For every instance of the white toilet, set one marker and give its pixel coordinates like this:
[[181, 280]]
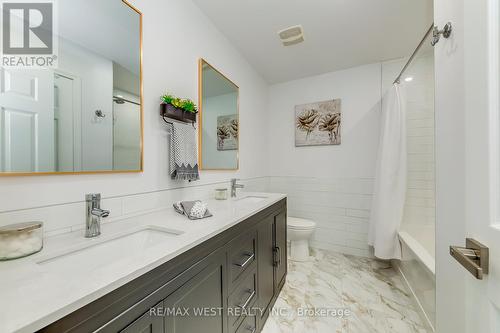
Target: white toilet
[[299, 232]]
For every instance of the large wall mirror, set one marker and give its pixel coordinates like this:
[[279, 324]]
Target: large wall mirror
[[219, 120], [83, 115]]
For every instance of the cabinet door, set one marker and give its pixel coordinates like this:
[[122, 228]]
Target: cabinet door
[[189, 308], [265, 263], [280, 250], [146, 324]]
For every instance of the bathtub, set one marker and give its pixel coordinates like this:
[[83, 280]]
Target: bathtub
[[418, 268]]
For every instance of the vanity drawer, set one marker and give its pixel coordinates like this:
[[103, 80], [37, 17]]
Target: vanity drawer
[[248, 325], [242, 252], [243, 298]]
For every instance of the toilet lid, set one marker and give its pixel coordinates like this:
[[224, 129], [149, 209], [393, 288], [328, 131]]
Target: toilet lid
[[298, 223]]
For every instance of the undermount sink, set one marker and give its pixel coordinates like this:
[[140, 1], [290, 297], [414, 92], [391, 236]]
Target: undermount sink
[[107, 252], [251, 199]]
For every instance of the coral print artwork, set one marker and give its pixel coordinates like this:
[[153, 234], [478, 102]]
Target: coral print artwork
[[227, 132], [318, 123]]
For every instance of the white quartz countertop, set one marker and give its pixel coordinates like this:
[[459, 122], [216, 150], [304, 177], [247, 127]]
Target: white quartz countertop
[[33, 295]]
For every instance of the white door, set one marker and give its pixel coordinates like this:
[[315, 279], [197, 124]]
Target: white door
[[468, 162], [26, 120]]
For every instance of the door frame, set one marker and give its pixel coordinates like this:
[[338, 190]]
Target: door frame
[[467, 161], [450, 166], [77, 117], [482, 219]]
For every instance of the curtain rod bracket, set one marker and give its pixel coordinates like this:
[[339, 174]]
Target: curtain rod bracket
[[436, 33]]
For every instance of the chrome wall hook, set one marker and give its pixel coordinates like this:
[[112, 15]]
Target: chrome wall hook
[[99, 114], [436, 33]]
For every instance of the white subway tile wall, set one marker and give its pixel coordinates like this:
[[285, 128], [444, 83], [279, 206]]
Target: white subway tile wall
[[420, 196], [340, 208], [70, 217]]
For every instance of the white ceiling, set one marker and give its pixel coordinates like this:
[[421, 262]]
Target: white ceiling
[[339, 34]]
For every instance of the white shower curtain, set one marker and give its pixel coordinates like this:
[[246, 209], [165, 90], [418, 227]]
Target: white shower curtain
[[390, 178]]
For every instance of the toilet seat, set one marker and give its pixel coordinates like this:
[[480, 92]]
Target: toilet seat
[[297, 223]]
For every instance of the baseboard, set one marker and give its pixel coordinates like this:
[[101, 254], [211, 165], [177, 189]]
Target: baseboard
[[341, 249]]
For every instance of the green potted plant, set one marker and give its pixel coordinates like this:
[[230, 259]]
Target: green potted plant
[[178, 108], [189, 106]]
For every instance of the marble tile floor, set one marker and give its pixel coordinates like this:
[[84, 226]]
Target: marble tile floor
[[371, 290]]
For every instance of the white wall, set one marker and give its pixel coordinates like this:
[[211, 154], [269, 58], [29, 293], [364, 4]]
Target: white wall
[[359, 89], [164, 69], [329, 184]]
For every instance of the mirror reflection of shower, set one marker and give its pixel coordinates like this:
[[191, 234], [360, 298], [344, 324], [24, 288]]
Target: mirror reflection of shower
[[126, 133], [67, 123], [61, 118], [118, 100]]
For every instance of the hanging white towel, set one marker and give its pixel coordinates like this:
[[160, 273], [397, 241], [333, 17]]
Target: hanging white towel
[[390, 178], [183, 153]]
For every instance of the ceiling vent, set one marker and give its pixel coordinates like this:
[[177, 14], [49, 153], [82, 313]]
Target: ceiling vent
[[291, 36]]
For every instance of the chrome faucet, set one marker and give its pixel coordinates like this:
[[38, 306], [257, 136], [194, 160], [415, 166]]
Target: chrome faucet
[[234, 186], [94, 215]]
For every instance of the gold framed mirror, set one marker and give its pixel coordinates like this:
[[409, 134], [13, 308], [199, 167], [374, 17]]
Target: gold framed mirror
[[83, 114], [218, 136]]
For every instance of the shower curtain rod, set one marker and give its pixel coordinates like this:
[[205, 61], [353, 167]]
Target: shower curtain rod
[[414, 54], [117, 98]]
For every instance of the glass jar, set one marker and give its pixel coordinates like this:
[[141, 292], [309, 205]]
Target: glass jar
[[221, 194], [20, 240]]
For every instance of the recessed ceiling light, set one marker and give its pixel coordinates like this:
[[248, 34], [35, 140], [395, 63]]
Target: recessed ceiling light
[[409, 79], [292, 35]]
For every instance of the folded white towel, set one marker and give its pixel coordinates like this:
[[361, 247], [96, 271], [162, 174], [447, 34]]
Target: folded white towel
[[194, 210]]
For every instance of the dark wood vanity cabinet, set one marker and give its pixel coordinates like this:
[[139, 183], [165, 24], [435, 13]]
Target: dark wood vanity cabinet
[[280, 249], [266, 262], [211, 288], [272, 261], [146, 324], [197, 305]]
